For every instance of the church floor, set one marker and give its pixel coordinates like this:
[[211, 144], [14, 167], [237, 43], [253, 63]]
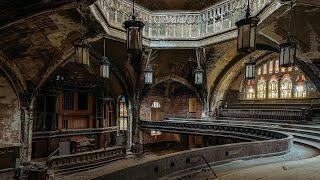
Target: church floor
[[293, 170], [298, 152], [277, 164]]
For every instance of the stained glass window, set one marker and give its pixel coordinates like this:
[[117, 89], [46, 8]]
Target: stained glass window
[[276, 66], [271, 67], [265, 68], [259, 71], [123, 114], [155, 104], [286, 86], [273, 87], [270, 84], [261, 88]]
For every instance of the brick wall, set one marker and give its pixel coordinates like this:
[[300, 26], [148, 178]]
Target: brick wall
[[170, 106], [10, 124], [147, 138]]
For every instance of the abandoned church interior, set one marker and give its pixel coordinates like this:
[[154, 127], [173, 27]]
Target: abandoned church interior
[[160, 89]]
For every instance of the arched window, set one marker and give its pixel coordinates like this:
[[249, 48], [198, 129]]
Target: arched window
[[286, 86], [301, 88], [261, 88], [259, 71], [155, 105], [155, 111], [123, 114], [251, 94], [276, 66], [271, 67], [273, 82], [273, 88], [265, 68]]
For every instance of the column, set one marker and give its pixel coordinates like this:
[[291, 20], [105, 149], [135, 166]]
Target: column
[[129, 123], [26, 135]]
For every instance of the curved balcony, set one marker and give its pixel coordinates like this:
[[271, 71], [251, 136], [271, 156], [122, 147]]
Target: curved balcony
[[270, 143], [174, 28], [250, 134]]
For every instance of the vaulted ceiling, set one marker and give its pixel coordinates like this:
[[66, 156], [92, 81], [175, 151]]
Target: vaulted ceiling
[[35, 35]]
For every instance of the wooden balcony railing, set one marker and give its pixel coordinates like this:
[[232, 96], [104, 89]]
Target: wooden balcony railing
[[87, 157], [278, 114], [250, 134]]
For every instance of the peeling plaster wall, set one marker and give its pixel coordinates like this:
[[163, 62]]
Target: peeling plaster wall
[[10, 124]]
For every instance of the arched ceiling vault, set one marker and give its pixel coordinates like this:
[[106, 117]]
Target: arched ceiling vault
[[172, 78], [39, 36]]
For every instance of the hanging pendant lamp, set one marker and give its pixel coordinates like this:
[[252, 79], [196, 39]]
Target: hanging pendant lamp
[[247, 28], [134, 33], [198, 73], [288, 48], [250, 69], [105, 63], [82, 46]]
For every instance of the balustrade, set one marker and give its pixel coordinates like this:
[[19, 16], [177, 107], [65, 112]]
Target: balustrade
[[180, 25]]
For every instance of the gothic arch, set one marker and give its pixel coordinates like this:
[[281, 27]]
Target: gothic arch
[[176, 79], [12, 72]]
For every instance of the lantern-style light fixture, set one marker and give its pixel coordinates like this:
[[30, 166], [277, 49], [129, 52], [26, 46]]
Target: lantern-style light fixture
[[148, 73], [250, 69], [287, 53], [198, 73], [82, 47], [198, 76], [288, 48], [134, 34], [247, 28], [105, 63], [148, 78]]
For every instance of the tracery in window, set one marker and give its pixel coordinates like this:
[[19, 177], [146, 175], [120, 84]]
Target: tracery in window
[[273, 87], [286, 87], [261, 88]]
